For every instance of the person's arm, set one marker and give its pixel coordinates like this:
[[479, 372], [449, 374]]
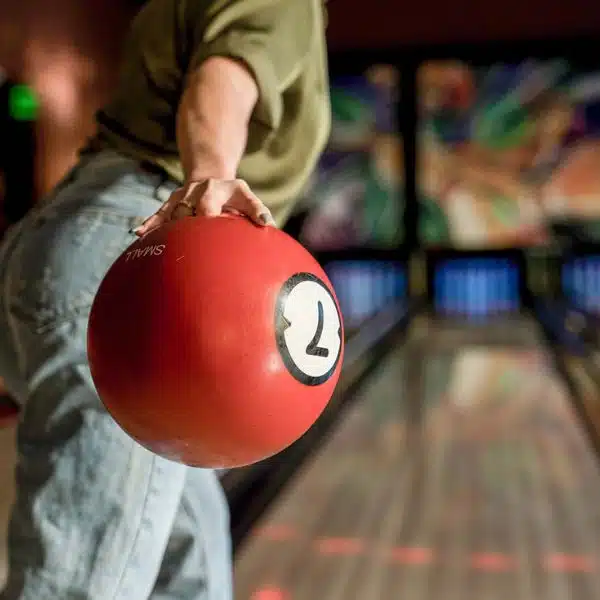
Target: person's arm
[[213, 117], [212, 131], [247, 53]]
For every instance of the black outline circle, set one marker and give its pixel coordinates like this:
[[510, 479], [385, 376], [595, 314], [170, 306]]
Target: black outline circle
[[281, 324]]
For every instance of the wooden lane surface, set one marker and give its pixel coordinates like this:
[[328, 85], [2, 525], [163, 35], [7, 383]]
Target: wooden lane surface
[[459, 475]]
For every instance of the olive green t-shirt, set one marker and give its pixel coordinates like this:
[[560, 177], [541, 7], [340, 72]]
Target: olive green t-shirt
[[282, 42]]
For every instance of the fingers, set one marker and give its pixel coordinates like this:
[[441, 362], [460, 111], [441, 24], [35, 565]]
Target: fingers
[[183, 208], [244, 201], [162, 215], [209, 198]]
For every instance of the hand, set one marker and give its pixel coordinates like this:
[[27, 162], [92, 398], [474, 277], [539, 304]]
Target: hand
[[210, 198]]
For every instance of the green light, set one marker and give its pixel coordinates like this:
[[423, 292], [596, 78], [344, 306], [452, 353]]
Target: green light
[[23, 103]]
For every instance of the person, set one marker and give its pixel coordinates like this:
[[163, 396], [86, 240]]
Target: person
[[222, 106]]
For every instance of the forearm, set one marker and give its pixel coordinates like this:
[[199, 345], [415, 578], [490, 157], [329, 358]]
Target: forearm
[[213, 117]]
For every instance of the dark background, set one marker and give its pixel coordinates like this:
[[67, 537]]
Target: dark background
[[383, 23], [68, 50]]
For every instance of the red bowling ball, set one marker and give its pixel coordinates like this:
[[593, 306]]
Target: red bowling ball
[[215, 342]]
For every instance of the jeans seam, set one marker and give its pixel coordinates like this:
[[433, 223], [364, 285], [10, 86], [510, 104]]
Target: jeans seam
[[132, 550], [10, 318]]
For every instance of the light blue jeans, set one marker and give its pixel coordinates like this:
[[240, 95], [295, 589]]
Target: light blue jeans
[[97, 516]]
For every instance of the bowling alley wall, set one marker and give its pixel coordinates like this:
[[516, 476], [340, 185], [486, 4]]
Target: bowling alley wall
[[460, 129], [465, 173], [66, 53]]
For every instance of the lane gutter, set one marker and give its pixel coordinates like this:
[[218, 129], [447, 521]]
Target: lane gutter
[[562, 369]]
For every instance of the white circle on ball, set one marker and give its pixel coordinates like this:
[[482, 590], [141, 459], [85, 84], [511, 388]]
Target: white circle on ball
[[310, 330]]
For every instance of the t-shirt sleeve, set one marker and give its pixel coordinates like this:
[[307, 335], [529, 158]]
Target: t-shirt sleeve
[[273, 38]]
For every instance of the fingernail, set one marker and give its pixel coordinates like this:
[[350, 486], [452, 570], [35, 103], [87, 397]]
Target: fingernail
[[266, 219], [137, 230]]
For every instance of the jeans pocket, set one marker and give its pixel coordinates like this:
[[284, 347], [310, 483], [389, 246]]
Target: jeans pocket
[[60, 261]]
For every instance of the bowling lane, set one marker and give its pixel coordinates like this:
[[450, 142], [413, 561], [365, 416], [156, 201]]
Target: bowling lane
[[461, 473], [584, 372]]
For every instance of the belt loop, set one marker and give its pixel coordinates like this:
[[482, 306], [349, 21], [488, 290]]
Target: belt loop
[[165, 186], [164, 189]]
